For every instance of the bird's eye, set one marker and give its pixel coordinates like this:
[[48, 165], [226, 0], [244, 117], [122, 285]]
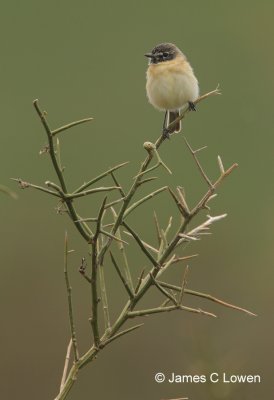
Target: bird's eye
[[165, 54]]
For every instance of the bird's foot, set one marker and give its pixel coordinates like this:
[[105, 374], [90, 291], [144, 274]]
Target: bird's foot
[[191, 106], [166, 133]]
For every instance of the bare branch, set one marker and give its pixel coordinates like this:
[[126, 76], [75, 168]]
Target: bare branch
[[141, 313], [124, 254], [181, 206], [222, 170], [65, 370], [112, 203], [25, 185], [143, 248], [117, 184], [152, 178], [141, 201], [91, 191], [163, 291], [148, 246], [104, 298], [113, 236], [101, 176], [133, 328], [68, 287], [68, 126], [206, 296], [140, 279], [183, 285], [193, 152], [158, 230], [201, 204], [128, 289]]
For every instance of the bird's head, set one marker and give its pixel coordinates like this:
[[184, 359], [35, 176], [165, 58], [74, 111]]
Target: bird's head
[[163, 52]]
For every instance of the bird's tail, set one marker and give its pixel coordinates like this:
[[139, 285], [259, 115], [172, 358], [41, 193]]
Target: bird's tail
[[172, 115]]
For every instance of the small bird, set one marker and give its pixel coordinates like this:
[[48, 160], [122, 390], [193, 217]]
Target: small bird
[[171, 83]]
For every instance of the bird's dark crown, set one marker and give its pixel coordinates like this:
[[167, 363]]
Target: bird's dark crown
[[163, 52]]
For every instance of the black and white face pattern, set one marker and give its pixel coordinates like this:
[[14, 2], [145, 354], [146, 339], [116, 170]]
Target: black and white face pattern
[[163, 52]]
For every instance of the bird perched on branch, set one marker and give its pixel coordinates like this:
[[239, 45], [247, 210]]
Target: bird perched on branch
[[171, 83]]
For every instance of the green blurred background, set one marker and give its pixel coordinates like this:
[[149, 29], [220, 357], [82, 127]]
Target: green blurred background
[[86, 59]]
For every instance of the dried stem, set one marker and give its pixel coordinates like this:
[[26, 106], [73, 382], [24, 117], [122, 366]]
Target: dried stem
[[141, 201], [128, 289], [141, 313], [68, 126], [163, 291], [141, 245], [182, 291], [194, 152], [59, 173], [70, 311], [206, 296], [101, 176], [124, 254], [94, 270], [65, 370], [104, 298], [112, 338]]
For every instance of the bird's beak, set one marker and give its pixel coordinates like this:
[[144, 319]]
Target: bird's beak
[[149, 55]]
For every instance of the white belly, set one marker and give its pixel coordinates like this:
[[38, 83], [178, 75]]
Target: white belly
[[171, 90]]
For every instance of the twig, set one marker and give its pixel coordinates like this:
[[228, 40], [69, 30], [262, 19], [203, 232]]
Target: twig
[[158, 230], [94, 269], [140, 279], [193, 152], [222, 170], [97, 178], [194, 233], [95, 219], [128, 289], [163, 291], [181, 295], [181, 194], [133, 328], [42, 115], [91, 191], [168, 226], [124, 254], [104, 298], [65, 370], [68, 126], [71, 319], [201, 204], [117, 184], [113, 236], [183, 209], [141, 245], [140, 313], [206, 296], [141, 201], [57, 188], [146, 180], [112, 203], [148, 246], [178, 259], [25, 185]]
